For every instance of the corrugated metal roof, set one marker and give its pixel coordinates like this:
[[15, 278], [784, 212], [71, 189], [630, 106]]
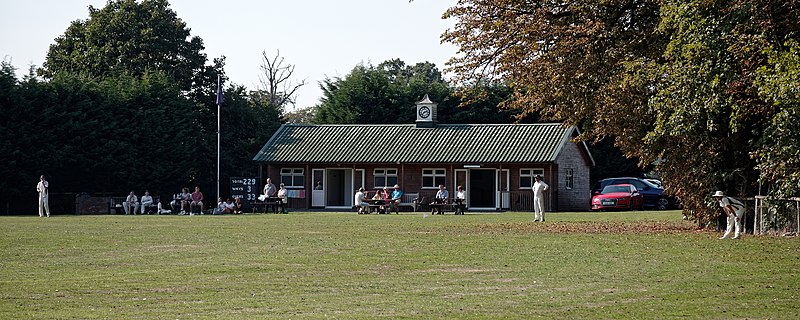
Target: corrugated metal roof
[[405, 143]]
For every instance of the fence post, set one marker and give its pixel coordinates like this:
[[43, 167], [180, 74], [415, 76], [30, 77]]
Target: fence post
[[757, 217]]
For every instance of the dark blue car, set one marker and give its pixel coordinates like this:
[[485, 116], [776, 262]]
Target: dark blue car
[[654, 197]]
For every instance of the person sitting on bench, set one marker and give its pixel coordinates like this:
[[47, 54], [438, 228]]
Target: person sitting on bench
[[395, 199], [360, 201], [461, 198], [131, 203], [439, 200], [147, 201], [197, 201]]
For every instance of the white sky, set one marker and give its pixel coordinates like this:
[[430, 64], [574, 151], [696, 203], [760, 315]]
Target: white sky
[[321, 37]]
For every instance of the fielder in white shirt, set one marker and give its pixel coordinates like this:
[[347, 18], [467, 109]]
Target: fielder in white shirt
[[43, 188], [539, 187], [734, 209]]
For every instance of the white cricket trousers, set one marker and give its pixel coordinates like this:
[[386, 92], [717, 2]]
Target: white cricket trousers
[[734, 221], [538, 208], [44, 204]]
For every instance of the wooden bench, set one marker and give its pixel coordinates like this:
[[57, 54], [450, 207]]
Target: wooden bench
[[450, 206], [409, 200], [115, 205], [263, 206]]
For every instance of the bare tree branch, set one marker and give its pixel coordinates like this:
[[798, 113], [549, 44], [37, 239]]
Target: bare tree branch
[[276, 81]]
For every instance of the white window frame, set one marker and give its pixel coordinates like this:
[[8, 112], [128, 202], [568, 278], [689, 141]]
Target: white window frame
[[434, 173], [529, 173], [292, 173], [569, 178], [385, 174]]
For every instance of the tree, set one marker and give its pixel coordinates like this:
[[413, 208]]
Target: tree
[[778, 154], [304, 115], [97, 136], [131, 37], [276, 80], [380, 94], [672, 82]]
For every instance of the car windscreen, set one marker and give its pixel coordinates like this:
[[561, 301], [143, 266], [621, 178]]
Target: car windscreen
[[615, 188]]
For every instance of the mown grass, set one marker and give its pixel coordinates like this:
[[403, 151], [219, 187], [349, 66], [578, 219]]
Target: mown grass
[[343, 265]]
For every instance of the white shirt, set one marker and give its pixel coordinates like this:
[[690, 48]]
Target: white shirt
[[359, 198], [442, 194], [41, 187], [460, 195], [539, 187], [131, 199], [147, 199], [737, 205]]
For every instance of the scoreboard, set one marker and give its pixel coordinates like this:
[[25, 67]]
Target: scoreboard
[[245, 188]]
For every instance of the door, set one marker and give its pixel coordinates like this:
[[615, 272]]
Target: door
[[505, 184], [318, 193], [483, 189], [338, 188]]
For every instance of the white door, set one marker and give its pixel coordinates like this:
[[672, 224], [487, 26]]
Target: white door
[[318, 193]]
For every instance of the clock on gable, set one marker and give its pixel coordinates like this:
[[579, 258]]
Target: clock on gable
[[426, 113]]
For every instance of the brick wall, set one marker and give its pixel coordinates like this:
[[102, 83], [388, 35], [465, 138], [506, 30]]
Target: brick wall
[[578, 198]]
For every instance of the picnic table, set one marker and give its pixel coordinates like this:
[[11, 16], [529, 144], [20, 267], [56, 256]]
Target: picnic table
[[269, 202], [441, 206], [378, 205]]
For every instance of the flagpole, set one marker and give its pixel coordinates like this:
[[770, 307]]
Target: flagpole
[[219, 116]]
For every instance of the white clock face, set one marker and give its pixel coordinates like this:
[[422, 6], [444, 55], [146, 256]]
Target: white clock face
[[424, 112]]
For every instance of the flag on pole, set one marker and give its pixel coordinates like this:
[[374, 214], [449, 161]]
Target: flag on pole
[[220, 97]]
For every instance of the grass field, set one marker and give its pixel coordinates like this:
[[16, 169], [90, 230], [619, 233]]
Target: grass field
[[343, 265]]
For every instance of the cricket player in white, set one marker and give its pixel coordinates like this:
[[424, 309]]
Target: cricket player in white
[[539, 187], [42, 188], [734, 209]]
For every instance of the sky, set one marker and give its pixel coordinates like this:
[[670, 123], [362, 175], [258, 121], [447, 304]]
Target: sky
[[321, 38]]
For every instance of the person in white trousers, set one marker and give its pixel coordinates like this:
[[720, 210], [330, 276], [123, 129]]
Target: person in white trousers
[[131, 203], [734, 209], [43, 188], [147, 201], [539, 187]]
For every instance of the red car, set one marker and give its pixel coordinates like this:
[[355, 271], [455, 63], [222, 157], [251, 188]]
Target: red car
[[618, 196]]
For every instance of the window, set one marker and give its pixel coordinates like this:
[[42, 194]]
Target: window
[[432, 178], [526, 177], [570, 180], [293, 177], [385, 177]]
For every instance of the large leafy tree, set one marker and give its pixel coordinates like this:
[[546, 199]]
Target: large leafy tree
[[672, 82], [778, 154], [136, 40], [130, 37]]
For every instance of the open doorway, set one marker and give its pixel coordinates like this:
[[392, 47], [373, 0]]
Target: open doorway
[[339, 188], [482, 189]]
